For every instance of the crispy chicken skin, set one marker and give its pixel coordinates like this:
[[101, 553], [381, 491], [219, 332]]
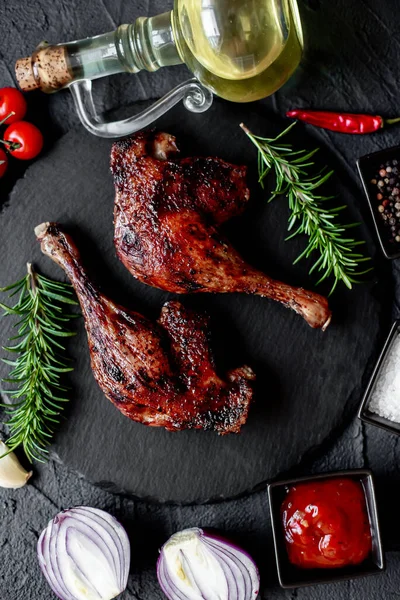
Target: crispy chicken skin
[[160, 374], [166, 217]]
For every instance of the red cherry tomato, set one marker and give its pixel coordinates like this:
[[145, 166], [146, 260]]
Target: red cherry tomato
[[3, 162], [26, 141], [12, 100]]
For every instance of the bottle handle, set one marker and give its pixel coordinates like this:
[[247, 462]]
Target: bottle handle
[[195, 96]]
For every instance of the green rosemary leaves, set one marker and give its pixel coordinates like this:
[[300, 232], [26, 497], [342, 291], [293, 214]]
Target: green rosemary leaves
[[309, 213], [38, 364]]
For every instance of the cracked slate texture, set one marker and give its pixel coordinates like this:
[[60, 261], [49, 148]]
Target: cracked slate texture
[[351, 63]]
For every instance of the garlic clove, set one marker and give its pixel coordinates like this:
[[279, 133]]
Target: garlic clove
[[12, 473]]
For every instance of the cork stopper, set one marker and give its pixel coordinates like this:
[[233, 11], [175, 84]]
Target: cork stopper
[[46, 69], [25, 75]]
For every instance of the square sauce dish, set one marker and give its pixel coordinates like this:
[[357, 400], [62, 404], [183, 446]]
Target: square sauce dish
[[349, 547]]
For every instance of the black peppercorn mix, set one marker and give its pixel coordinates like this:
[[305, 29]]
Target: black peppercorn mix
[[386, 187]]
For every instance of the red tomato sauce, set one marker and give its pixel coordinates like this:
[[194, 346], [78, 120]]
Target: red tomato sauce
[[326, 524]]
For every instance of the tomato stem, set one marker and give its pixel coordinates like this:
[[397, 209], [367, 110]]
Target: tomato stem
[[10, 145], [11, 114]]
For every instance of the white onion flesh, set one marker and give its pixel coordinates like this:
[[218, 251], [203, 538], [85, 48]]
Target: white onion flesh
[[195, 565], [84, 554]]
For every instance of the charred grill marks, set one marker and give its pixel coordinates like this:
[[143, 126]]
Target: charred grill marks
[[172, 208], [161, 374]]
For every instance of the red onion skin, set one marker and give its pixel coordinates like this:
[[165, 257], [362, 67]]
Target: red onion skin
[[54, 562], [211, 533], [162, 575], [226, 550], [43, 566]]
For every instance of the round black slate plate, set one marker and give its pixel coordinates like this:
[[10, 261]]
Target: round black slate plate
[[307, 380]]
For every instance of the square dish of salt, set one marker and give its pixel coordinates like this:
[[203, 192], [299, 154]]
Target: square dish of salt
[[381, 402]]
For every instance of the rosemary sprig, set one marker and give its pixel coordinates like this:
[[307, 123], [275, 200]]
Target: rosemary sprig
[[37, 368], [338, 256]]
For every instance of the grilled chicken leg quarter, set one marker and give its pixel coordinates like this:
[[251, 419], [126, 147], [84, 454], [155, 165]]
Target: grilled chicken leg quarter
[[166, 217], [160, 374]]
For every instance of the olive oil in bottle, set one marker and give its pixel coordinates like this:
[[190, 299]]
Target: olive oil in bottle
[[243, 50]]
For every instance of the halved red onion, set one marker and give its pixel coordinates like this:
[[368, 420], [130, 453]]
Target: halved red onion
[[84, 554], [196, 565]]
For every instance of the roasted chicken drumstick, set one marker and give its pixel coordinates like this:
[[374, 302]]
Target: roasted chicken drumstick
[[166, 217], [160, 374]]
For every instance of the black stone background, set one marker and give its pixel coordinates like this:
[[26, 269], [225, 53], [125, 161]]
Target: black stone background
[[351, 62]]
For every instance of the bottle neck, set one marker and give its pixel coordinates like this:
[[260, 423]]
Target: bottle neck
[[146, 44]]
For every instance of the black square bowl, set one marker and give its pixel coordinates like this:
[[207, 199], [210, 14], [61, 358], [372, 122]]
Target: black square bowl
[[364, 413], [291, 576], [367, 166]]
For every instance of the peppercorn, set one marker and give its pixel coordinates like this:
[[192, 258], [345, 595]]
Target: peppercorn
[[386, 185]]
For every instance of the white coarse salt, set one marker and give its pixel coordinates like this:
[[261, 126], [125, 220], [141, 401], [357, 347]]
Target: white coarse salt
[[385, 399]]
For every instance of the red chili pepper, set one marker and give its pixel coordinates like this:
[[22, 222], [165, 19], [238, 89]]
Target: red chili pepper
[[342, 122]]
